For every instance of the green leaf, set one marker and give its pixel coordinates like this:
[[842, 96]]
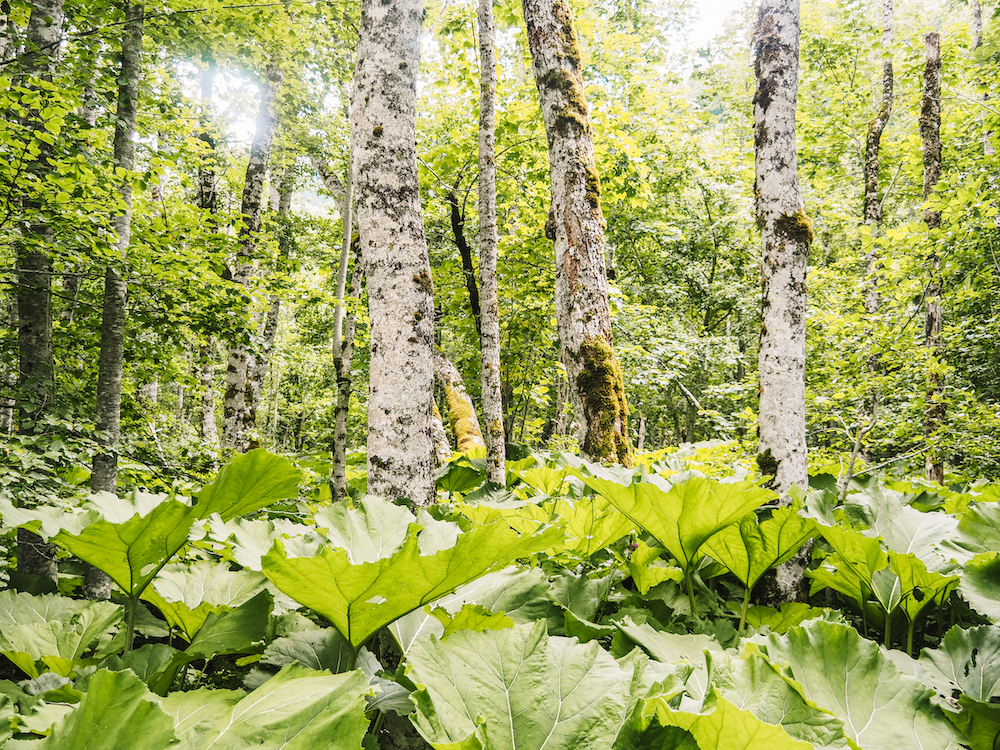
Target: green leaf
[[297, 709], [980, 585], [980, 527], [153, 663], [249, 482], [524, 688], [116, 713], [359, 599], [970, 659], [51, 628], [187, 593], [233, 632], [748, 549], [849, 676], [782, 620], [684, 518], [673, 648], [316, 649], [472, 617], [648, 570], [979, 722]]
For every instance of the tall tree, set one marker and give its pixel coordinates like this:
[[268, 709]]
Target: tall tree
[[104, 477], [785, 237], [930, 131], [36, 67], [234, 409], [489, 320], [872, 200], [394, 251], [576, 226]]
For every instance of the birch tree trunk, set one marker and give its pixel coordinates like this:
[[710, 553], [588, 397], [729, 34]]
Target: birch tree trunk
[[34, 276], [234, 407], [7, 47], [785, 237], [489, 333], [268, 330], [104, 475], [576, 225], [930, 130], [442, 448], [873, 203], [394, 251], [343, 322], [8, 385]]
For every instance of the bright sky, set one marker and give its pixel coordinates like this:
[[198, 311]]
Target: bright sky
[[712, 15]]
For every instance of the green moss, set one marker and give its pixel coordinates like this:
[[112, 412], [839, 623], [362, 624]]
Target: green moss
[[593, 182], [767, 464], [567, 34], [467, 434], [796, 227], [599, 384], [573, 116]]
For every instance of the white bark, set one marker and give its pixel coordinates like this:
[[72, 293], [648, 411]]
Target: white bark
[[234, 408], [576, 226], [394, 251], [489, 335], [785, 237]]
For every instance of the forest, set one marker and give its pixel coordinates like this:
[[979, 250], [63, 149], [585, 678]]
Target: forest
[[499, 375]]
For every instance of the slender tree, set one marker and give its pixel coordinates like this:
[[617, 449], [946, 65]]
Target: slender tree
[[394, 251], [785, 237], [234, 409], [930, 130], [489, 322], [576, 226], [36, 65], [461, 411], [104, 477]]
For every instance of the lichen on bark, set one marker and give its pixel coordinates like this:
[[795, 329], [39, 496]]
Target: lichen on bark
[[796, 226]]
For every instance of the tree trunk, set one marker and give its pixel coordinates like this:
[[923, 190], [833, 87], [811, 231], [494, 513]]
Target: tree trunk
[[442, 448], [104, 476], [269, 325], [930, 130], [465, 252], [873, 204], [489, 330], [461, 411], [785, 237], [394, 251], [577, 227], [206, 376], [8, 386], [640, 442], [234, 409], [34, 277], [7, 47]]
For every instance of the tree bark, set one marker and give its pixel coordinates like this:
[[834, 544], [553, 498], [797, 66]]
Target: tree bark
[[394, 251], [442, 448], [34, 277], [872, 201], [930, 130], [206, 377], [489, 321], [576, 225], [8, 385], [234, 409], [7, 46], [268, 330], [104, 476], [785, 237], [465, 252]]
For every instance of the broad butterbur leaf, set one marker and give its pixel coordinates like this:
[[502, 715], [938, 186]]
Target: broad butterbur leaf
[[980, 585], [970, 659], [518, 688], [359, 599], [849, 676], [297, 709], [117, 713]]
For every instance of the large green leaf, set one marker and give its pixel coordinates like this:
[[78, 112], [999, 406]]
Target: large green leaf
[[849, 676], [116, 713], [51, 628], [187, 593], [980, 585], [979, 722], [297, 709], [980, 527], [249, 482], [748, 549], [683, 518], [359, 599], [970, 659], [235, 631], [518, 688]]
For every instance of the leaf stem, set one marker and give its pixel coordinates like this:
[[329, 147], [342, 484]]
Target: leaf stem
[[690, 590], [130, 607], [909, 637], [743, 612]]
